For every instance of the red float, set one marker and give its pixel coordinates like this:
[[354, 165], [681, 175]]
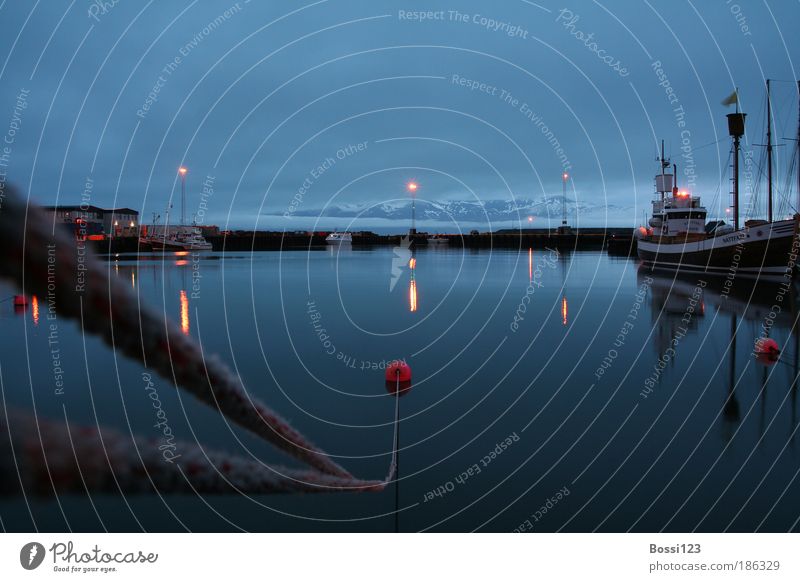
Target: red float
[[398, 378], [398, 370], [20, 300], [767, 350]]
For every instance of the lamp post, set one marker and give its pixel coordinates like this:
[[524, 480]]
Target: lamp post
[[412, 188], [183, 171], [564, 178]]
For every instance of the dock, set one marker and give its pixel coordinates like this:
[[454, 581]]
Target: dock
[[615, 240]]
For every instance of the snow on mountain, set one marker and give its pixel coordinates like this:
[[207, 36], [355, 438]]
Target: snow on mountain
[[470, 211]]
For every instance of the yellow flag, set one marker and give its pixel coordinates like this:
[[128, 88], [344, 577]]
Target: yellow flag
[[731, 99]]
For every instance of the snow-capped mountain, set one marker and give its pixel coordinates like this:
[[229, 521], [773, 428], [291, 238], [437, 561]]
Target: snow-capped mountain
[[471, 211]]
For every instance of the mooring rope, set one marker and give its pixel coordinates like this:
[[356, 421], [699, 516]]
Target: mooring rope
[[47, 457], [54, 265]]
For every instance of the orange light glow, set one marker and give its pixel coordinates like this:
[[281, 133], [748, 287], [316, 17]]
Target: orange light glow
[[181, 253], [35, 309], [530, 264], [412, 263], [412, 186], [412, 296], [181, 263], [683, 193], [184, 313], [564, 310], [182, 171]]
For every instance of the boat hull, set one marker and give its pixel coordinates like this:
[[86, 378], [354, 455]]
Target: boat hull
[[766, 251], [160, 245]]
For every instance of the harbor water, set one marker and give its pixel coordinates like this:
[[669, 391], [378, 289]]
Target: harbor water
[[552, 391]]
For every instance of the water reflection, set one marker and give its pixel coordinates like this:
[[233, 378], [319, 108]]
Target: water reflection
[[412, 285], [35, 309], [730, 320], [564, 304], [530, 265], [184, 312]]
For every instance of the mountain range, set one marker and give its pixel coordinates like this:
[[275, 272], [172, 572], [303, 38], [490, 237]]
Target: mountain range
[[471, 211]]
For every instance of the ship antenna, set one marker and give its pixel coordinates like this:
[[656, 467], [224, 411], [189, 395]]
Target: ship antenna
[[674, 179]]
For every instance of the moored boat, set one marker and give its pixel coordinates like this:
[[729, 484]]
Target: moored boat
[[338, 238], [678, 237], [181, 240]]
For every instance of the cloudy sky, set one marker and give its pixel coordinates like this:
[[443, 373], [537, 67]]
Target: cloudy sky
[[289, 110]]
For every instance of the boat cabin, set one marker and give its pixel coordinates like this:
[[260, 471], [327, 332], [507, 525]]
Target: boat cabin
[[676, 212]]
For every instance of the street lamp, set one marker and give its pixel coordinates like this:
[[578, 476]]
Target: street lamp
[[183, 171], [412, 187], [564, 179]]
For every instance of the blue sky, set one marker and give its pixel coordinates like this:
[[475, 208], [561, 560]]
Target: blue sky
[[339, 103]]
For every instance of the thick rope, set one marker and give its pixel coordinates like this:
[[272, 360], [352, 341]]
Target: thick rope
[[44, 457], [38, 261]]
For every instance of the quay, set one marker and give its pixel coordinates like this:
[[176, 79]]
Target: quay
[[615, 240]]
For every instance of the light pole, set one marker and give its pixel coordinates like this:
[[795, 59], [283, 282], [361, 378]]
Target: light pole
[[564, 178], [183, 171], [412, 188]]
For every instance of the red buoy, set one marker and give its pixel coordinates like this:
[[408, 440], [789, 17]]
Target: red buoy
[[398, 378], [398, 370], [767, 350], [20, 300]]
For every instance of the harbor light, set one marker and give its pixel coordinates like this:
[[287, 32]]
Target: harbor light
[[412, 187], [183, 170]]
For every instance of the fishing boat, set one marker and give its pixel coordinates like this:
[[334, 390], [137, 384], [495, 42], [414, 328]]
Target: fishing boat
[[174, 238], [184, 239], [678, 237], [438, 239], [338, 238]]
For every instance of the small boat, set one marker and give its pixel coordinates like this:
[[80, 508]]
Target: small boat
[[338, 238], [438, 239]]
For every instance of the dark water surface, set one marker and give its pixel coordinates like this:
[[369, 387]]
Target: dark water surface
[[619, 399]]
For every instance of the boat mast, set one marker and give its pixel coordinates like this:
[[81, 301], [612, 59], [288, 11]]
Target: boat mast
[[769, 155], [663, 167], [798, 148], [736, 131]]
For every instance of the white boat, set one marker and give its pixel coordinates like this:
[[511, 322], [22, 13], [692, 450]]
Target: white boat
[[338, 238], [438, 240]]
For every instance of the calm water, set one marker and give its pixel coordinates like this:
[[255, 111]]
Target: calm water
[[619, 388]]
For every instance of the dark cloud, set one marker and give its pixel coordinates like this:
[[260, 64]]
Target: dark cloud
[[260, 104]]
